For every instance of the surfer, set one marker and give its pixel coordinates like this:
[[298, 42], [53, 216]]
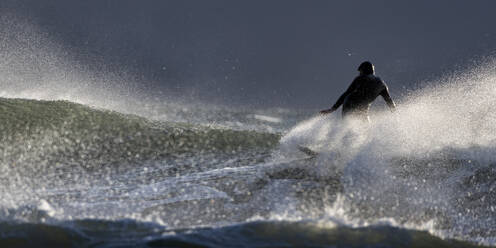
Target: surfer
[[364, 89]]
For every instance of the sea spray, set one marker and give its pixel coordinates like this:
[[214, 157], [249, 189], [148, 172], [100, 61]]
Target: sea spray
[[427, 166]]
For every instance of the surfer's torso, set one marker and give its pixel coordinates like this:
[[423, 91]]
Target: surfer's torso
[[362, 92]]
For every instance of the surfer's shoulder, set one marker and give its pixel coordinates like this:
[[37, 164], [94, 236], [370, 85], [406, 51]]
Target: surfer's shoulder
[[379, 80], [358, 78], [374, 77]]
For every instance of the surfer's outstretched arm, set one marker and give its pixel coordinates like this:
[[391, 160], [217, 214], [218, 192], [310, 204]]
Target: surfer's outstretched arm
[[340, 100], [387, 98]]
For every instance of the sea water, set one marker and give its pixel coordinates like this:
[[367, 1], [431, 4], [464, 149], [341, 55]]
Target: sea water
[[88, 162]]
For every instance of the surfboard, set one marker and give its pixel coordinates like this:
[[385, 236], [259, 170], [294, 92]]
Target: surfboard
[[308, 151]]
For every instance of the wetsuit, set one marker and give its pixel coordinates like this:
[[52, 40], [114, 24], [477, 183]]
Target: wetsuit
[[359, 96]]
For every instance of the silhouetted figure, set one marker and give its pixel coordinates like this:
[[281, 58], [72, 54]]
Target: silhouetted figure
[[362, 92]]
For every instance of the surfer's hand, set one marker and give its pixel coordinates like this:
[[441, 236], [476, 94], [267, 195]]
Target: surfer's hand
[[326, 111], [393, 109]]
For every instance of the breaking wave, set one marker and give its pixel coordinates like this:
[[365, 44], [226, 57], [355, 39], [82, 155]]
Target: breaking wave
[[429, 166]]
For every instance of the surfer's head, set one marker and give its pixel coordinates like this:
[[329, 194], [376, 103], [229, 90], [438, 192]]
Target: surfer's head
[[366, 68]]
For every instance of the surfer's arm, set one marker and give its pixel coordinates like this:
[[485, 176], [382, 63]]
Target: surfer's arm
[[336, 105], [340, 100], [387, 98]]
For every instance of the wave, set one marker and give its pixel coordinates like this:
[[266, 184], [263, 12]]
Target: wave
[[50, 132], [127, 233]]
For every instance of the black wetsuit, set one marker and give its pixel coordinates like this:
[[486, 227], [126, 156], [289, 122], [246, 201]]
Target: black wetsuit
[[359, 96]]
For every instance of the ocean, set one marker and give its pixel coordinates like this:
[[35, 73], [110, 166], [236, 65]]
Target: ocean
[[200, 175]]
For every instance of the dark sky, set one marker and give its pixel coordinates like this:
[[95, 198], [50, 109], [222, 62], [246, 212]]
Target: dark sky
[[267, 53]]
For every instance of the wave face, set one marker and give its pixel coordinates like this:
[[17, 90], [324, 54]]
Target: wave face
[[60, 131]]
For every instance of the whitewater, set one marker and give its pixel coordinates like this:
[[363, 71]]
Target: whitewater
[[90, 161]]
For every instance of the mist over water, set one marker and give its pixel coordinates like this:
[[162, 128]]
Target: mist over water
[[178, 171]]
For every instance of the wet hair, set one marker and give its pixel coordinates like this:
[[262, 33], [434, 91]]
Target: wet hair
[[366, 68]]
